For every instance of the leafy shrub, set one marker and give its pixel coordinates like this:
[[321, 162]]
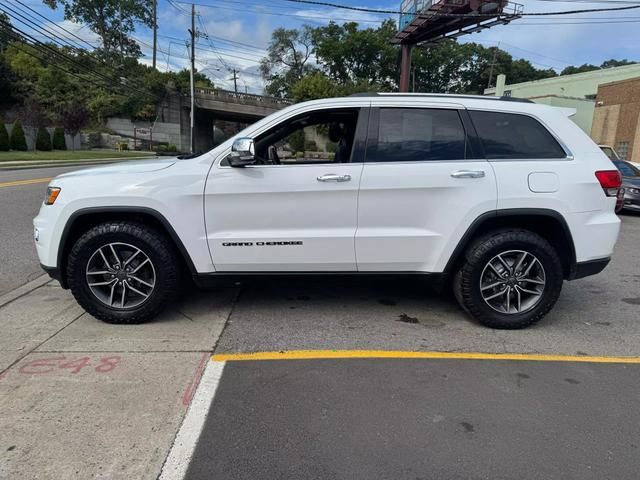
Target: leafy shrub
[[43, 140], [58, 139], [331, 147], [4, 137], [299, 154], [296, 141], [172, 148], [18, 140]]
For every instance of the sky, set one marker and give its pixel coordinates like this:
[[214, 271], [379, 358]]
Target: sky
[[235, 33]]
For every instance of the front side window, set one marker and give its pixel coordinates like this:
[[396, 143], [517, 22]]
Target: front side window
[[323, 136], [514, 136], [418, 134]]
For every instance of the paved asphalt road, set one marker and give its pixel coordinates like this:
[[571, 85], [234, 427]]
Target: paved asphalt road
[[400, 419], [20, 203]]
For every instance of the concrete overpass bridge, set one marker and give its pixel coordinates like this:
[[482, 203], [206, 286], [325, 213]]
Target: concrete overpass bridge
[[215, 104], [173, 123]]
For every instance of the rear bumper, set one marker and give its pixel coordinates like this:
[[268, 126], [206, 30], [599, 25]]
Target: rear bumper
[[586, 269]]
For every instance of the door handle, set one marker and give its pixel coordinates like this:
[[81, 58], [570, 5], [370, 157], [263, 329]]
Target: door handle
[[468, 174], [333, 177]]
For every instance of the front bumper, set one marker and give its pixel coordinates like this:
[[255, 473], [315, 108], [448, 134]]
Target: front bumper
[[631, 198], [56, 274]]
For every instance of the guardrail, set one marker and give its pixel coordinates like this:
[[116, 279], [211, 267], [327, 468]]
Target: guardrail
[[243, 98]]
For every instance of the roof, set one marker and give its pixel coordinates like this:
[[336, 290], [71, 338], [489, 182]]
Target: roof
[[441, 95]]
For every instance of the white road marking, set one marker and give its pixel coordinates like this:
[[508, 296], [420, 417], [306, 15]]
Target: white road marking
[[177, 462]]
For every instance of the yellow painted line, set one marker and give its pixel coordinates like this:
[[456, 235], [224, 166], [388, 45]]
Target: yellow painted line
[[30, 181], [333, 354]]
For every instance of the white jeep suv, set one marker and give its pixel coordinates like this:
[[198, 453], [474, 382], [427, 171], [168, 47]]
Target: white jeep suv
[[505, 198]]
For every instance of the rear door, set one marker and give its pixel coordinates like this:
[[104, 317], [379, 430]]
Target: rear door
[[423, 184]]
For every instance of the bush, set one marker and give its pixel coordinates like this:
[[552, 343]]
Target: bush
[[4, 137], [172, 148], [43, 140], [58, 139], [299, 154], [331, 147], [18, 140], [310, 146]]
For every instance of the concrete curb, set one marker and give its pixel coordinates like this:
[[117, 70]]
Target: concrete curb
[[24, 289]]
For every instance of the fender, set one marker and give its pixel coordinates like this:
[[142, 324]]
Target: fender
[[128, 210], [496, 215]]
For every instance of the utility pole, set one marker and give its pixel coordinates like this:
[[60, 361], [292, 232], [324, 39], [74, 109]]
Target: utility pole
[[493, 64], [235, 80], [155, 31], [193, 69]]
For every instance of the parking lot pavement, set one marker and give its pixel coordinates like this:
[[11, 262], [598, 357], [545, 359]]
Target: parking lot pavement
[[421, 419], [84, 399]]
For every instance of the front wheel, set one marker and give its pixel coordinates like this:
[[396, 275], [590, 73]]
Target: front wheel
[[123, 272], [510, 279]]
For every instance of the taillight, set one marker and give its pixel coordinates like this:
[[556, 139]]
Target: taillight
[[610, 181]]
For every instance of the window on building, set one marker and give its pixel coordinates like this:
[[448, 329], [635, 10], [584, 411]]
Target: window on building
[[418, 134], [622, 149], [514, 136]]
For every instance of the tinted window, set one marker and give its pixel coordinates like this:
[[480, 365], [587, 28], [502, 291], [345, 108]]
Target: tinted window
[[626, 169], [508, 135], [412, 134]]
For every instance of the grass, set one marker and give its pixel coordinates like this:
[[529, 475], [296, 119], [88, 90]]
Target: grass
[[66, 155]]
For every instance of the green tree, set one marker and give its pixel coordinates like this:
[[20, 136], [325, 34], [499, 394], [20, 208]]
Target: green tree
[[586, 67], [616, 63], [350, 54], [4, 137], [315, 85], [18, 140], [287, 60], [5, 31], [59, 142], [74, 117], [114, 21], [43, 140]]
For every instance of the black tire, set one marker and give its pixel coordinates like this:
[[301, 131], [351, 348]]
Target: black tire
[[466, 283], [154, 245]]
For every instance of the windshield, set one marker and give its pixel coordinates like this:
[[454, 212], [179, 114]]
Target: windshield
[[626, 169], [610, 152]]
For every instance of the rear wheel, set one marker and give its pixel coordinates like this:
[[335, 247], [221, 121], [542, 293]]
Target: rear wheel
[[123, 272], [510, 279]]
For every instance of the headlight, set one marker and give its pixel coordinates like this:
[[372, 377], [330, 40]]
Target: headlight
[[635, 191], [52, 194]]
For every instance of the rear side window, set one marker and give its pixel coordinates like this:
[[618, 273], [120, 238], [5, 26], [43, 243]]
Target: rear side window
[[418, 134], [509, 135]]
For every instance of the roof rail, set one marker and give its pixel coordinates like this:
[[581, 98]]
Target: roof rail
[[441, 95]]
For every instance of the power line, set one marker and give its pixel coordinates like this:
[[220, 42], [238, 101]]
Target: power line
[[56, 25], [50, 50]]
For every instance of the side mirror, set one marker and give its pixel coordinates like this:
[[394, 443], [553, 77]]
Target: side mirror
[[242, 153]]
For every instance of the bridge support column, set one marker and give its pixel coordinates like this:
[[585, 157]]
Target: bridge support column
[[405, 67], [203, 131]]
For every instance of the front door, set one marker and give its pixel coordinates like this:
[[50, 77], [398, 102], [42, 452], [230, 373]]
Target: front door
[[422, 186], [296, 209]]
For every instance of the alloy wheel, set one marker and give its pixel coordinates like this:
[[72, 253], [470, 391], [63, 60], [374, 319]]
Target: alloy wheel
[[513, 282], [120, 275]]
